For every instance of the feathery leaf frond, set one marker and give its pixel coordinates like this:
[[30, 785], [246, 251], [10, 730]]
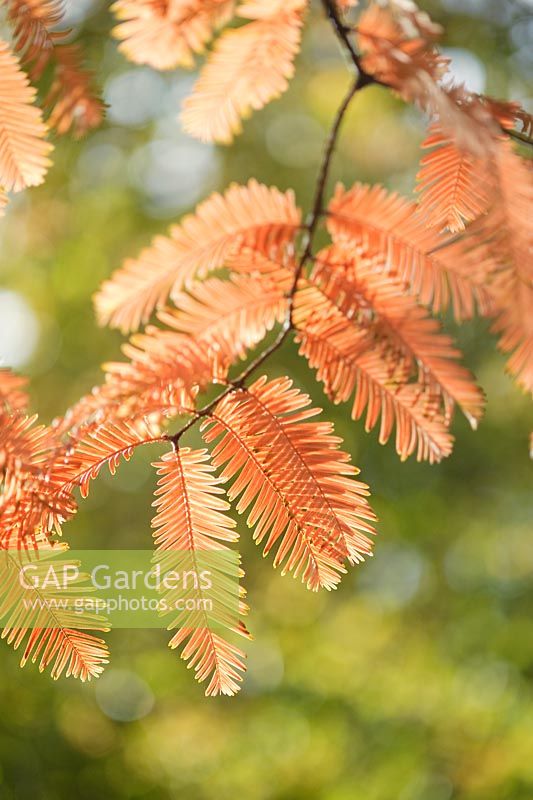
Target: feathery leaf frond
[[231, 316], [168, 33], [13, 396], [22, 441], [73, 103], [33, 26], [397, 42], [436, 268], [166, 368], [348, 363], [24, 151], [249, 67], [398, 48], [107, 444], [164, 373], [453, 183], [191, 521], [245, 216], [71, 100], [27, 502], [35, 618], [378, 303], [513, 288], [267, 262], [298, 483], [515, 326]]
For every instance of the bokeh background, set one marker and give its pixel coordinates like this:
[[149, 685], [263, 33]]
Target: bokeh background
[[413, 681]]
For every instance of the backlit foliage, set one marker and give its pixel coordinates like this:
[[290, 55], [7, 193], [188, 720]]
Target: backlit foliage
[[190, 519], [250, 66], [168, 33], [70, 102], [24, 151], [243, 267], [46, 634]]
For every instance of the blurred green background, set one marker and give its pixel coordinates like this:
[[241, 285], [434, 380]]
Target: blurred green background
[[413, 681]]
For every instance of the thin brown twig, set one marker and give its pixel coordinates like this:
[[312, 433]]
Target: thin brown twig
[[519, 136], [361, 80], [343, 33]]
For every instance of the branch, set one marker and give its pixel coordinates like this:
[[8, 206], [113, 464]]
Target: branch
[[521, 137], [342, 32], [362, 79]]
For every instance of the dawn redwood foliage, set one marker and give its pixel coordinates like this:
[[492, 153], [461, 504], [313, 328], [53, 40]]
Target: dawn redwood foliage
[[359, 309]]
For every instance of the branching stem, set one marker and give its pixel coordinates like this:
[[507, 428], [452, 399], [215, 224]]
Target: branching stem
[[361, 79]]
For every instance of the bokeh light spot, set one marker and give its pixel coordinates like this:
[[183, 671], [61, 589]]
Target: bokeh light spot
[[135, 97], [19, 330], [123, 696]]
